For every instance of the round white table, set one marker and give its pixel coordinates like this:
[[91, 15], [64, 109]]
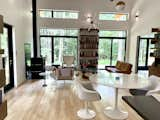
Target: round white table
[[118, 81]]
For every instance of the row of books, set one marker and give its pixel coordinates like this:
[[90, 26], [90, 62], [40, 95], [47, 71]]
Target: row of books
[[89, 62], [89, 54], [89, 46], [85, 40]]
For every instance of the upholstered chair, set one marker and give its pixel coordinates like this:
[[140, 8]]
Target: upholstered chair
[[68, 61], [64, 73]]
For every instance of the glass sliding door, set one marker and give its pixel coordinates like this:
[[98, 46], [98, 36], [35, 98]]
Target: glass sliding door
[[142, 53], [54, 48], [104, 53], [64, 46], [118, 51], [46, 49], [144, 50], [7, 57], [110, 50]]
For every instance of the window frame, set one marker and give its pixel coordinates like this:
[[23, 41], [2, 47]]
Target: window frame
[[53, 17], [58, 36], [139, 39], [45, 10], [116, 13], [112, 39]]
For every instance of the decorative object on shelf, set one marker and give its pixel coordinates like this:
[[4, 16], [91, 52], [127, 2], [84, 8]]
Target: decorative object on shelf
[[88, 48], [1, 24], [120, 6], [92, 22]]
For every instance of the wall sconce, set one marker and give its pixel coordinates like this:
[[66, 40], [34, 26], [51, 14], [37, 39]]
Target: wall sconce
[[137, 16], [1, 24]]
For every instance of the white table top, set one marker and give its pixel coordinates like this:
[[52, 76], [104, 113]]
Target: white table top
[[132, 81], [45, 73]]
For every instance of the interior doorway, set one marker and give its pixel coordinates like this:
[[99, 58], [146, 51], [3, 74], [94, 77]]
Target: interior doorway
[[6, 43]]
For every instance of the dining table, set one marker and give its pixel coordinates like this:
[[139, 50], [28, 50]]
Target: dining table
[[118, 81]]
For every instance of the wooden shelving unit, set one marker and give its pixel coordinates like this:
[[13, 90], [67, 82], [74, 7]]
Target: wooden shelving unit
[[3, 102], [88, 47], [155, 68]]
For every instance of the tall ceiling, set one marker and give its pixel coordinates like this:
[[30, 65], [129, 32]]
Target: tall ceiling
[[84, 5]]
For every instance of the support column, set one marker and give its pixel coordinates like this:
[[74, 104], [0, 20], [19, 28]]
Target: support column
[[34, 17]]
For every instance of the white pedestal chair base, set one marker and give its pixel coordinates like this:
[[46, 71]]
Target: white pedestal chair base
[[86, 114], [115, 114]]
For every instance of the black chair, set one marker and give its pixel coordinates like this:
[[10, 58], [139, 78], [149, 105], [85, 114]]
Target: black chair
[[37, 66]]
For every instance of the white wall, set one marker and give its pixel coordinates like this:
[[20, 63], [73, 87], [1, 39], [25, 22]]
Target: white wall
[[85, 7], [149, 17], [17, 13]]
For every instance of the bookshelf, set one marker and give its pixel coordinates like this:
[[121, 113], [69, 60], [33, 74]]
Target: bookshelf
[[154, 69], [88, 48], [3, 101], [156, 48]]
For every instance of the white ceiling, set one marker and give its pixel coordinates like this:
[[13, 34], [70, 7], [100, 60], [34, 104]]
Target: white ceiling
[[91, 6]]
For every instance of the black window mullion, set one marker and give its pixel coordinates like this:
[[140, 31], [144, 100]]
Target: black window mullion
[[147, 52], [111, 52], [125, 49], [52, 44], [52, 14]]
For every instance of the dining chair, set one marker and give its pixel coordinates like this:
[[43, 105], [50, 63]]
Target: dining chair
[[152, 88], [87, 93]]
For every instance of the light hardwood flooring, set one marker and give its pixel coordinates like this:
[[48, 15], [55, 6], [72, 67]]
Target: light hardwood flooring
[[31, 101]]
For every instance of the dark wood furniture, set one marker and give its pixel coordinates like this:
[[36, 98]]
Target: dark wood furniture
[[146, 106], [3, 102], [88, 47], [37, 66], [154, 69], [121, 67]]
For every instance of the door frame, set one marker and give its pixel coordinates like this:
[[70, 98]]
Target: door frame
[[139, 38], [10, 50]]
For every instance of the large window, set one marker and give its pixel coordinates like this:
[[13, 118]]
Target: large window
[[45, 13], [65, 14], [58, 42], [46, 49], [60, 14], [144, 50], [58, 32], [111, 47], [64, 46], [113, 16]]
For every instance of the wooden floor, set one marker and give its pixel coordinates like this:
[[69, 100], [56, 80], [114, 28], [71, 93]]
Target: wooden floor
[[33, 102]]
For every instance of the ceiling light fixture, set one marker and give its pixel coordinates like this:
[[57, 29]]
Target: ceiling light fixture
[[120, 6]]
